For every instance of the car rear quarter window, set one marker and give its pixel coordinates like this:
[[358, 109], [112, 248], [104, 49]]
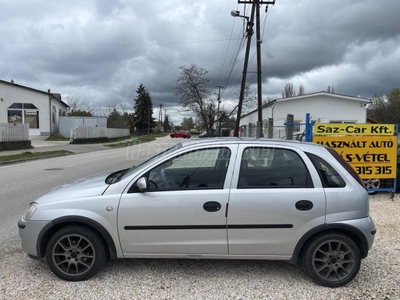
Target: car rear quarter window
[[346, 166], [267, 167], [328, 175]]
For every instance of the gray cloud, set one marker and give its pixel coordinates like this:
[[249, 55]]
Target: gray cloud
[[102, 50]]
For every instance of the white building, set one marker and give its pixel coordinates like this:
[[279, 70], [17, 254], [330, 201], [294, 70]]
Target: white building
[[323, 107], [39, 109]]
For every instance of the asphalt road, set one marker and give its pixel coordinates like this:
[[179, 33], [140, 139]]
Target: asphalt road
[[24, 182]]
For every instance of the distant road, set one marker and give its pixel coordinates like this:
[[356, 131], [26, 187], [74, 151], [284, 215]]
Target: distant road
[[24, 182]]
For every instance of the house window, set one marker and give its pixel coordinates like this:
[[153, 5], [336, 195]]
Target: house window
[[23, 113], [31, 117], [14, 116]]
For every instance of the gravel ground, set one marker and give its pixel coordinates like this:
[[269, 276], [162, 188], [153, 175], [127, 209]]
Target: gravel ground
[[379, 276]]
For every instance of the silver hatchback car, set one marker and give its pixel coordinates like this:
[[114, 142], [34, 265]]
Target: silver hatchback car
[[213, 199]]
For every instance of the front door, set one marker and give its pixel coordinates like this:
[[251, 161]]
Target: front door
[[184, 211]]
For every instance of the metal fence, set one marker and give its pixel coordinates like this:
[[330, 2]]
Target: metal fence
[[67, 122], [14, 132], [83, 133], [250, 130]]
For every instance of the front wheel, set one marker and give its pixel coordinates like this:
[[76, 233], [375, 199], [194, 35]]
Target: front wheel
[[75, 253], [332, 260]]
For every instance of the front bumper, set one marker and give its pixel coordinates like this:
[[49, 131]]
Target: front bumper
[[29, 232]]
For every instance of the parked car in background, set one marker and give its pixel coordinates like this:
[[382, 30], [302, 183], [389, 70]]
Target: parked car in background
[[205, 134], [180, 134], [225, 198], [297, 136]]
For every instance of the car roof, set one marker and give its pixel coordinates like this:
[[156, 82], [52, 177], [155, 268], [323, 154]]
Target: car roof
[[238, 140]]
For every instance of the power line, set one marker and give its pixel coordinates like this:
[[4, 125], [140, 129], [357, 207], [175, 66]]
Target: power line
[[227, 48], [115, 44]]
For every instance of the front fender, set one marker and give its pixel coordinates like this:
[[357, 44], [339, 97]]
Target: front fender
[[53, 226]]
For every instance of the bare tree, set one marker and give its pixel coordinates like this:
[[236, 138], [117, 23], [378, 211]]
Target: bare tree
[[78, 106], [288, 90], [301, 90], [330, 89], [191, 86]]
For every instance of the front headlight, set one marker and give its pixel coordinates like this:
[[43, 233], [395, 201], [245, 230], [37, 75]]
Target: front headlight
[[30, 211]]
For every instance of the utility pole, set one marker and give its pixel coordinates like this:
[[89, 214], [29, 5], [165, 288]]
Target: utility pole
[[218, 118], [259, 132], [254, 10], [246, 63], [148, 120], [160, 116]]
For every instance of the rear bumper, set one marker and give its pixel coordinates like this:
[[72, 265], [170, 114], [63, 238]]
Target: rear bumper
[[366, 226]]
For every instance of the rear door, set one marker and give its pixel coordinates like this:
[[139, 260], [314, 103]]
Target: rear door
[[273, 201]]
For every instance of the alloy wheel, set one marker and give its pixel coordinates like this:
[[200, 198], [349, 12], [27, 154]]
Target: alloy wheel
[[73, 254]]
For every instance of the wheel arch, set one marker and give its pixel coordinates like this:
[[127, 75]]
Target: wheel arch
[[355, 234], [55, 225]]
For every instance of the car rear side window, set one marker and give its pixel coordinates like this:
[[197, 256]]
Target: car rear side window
[[266, 167], [328, 175]]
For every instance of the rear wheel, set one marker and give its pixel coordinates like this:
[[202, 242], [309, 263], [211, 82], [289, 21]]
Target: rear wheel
[[75, 253], [331, 260]]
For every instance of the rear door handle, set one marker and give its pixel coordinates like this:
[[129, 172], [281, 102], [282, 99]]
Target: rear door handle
[[212, 206], [304, 205]]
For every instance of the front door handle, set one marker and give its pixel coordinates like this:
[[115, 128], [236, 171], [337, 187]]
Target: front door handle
[[304, 205], [212, 206]]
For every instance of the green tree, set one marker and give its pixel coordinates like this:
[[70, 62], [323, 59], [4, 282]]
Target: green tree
[[119, 120], [386, 109], [378, 109], [166, 124], [80, 113], [143, 110], [187, 123], [394, 106]]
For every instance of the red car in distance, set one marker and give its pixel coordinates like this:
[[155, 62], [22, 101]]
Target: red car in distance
[[181, 133]]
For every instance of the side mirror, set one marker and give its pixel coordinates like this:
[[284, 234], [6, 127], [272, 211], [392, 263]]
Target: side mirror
[[142, 184]]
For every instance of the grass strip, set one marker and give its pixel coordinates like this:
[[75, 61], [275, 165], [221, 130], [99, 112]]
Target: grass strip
[[57, 138], [30, 155], [139, 140]]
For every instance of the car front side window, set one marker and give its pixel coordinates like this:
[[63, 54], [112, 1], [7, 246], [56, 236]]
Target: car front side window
[[198, 169]]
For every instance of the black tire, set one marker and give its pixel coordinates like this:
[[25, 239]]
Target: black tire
[[331, 260], [75, 253]]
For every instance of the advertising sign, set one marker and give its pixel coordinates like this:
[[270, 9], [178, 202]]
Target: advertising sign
[[354, 129], [370, 156]]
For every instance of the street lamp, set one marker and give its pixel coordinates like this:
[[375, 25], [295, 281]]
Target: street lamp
[[236, 14]]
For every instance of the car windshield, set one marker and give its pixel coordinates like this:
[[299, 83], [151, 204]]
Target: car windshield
[[150, 161]]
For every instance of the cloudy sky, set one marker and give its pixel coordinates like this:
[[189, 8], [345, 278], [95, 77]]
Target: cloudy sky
[[102, 50]]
